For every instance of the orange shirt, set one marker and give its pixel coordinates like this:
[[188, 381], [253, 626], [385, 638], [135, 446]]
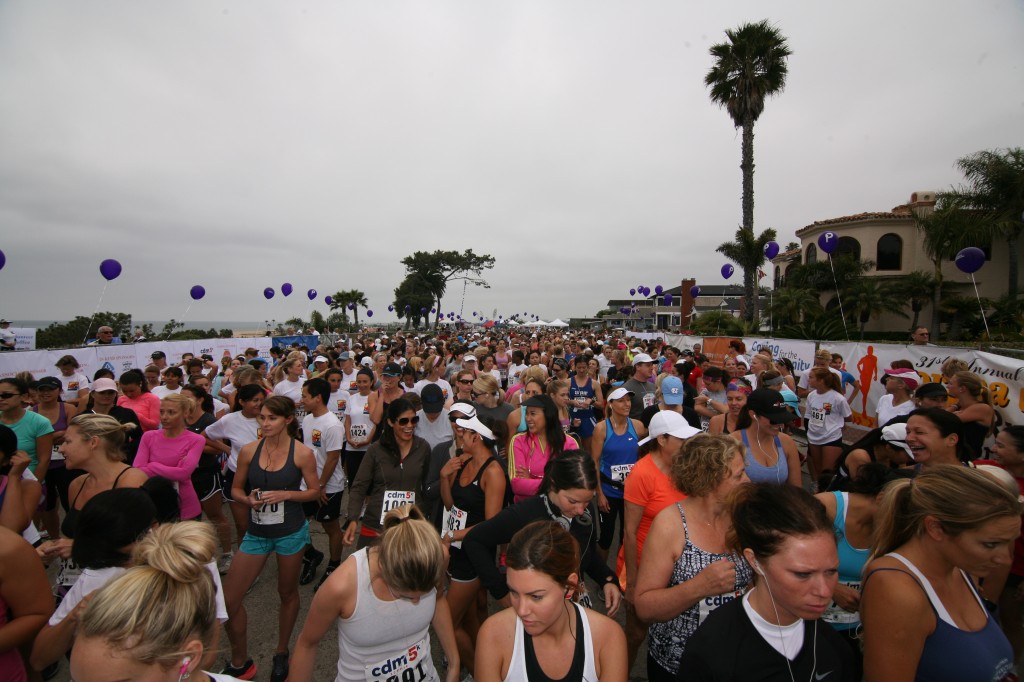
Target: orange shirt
[[650, 488]]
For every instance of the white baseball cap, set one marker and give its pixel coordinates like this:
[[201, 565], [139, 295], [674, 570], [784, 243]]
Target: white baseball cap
[[671, 423]]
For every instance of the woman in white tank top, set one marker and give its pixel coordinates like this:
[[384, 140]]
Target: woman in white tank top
[[544, 635], [384, 599]]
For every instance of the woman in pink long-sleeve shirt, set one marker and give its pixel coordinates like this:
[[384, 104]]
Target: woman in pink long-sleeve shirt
[[173, 452], [135, 396], [529, 452]]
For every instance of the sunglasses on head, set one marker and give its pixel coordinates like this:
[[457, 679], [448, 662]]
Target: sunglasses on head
[[402, 421]]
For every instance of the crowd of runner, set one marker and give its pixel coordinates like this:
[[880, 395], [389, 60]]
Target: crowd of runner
[[538, 504]]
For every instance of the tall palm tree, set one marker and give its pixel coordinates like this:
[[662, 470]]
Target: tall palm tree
[[749, 68], [790, 305], [943, 233], [343, 299], [995, 188], [747, 251]]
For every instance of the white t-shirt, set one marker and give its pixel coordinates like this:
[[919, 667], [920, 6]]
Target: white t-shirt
[[8, 338], [348, 382], [513, 373], [803, 377], [91, 580], [73, 384], [337, 403], [325, 434], [360, 424], [886, 410], [290, 389], [445, 387], [237, 429], [434, 432], [826, 414], [220, 408], [162, 391]]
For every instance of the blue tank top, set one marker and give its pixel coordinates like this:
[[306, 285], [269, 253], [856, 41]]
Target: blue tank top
[[759, 473], [577, 392], [619, 451], [954, 655], [851, 566]]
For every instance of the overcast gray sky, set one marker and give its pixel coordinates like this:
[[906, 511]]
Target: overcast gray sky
[[243, 144]]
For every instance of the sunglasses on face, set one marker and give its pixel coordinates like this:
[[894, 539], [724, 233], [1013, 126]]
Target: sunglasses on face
[[8, 396], [403, 421], [465, 381]]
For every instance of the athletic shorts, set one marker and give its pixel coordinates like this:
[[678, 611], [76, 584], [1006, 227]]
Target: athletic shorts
[[227, 480], [284, 546], [324, 512], [586, 425], [207, 483], [837, 443], [460, 568]]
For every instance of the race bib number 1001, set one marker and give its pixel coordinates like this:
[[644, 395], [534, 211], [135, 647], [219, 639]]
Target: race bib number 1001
[[413, 665]]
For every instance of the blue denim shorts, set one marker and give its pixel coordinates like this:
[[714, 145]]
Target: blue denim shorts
[[284, 546]]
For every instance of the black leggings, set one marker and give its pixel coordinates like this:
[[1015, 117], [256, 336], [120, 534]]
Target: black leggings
[[616, 510]]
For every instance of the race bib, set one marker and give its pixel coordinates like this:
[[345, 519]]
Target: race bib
[[358, 432], [620, 471], [412, 665], [648, 400], [708, 604], [393, 499], [836, 614], [818, 417], [454, 520], [268, 514], [69, 573], [503, 373], [55, 454]]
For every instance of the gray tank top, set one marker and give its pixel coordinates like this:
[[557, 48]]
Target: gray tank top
[[283, 518]]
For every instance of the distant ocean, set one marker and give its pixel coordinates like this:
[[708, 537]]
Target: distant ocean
[[244, 325]]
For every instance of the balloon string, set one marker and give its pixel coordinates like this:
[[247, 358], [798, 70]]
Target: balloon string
[[838, 296], [95, 310], [981, 308], [182, 320]]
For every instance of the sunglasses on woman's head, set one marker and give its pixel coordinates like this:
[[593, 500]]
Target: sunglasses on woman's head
[[402, 421]]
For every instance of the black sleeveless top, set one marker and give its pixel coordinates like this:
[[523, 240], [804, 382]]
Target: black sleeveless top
[[536, 674], [288, 477], [67, 526]]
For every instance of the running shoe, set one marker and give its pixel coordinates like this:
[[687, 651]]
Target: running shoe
[[279, 671], [309, 566], [246, 671], [327, 571]]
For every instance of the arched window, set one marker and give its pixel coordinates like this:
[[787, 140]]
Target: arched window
[[890, 252], [812, 254], [848, 246]]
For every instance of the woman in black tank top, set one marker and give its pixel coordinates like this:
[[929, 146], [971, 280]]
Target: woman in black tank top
[[268, 480], [474, 487]]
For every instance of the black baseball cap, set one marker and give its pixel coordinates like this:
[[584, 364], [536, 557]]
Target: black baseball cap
[[764, 402], [432, 398], [392, 369]]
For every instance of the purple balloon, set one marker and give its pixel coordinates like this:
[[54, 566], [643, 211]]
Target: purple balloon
[[197, 292], [423, 311], [3, 260], [970, 260], [268, 293], [694, 291], [369, 313], [286, 289], [433, 310], [828, 241], [632, 292], [407, 307], [328, 300], [659, 290], [351, 306], [771, 250], [311, 294], [668, 299], [110, 269], [727, 270]]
